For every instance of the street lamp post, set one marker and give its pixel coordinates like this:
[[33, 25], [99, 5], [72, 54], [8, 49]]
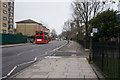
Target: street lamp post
[[94, 30], [90, 54]]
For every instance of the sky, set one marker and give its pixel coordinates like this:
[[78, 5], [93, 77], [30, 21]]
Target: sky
[[51, 13]]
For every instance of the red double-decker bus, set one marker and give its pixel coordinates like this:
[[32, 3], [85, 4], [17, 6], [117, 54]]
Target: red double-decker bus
[[41, 37]]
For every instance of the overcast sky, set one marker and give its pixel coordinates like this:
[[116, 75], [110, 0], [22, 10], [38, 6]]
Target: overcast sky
[[51, 13]]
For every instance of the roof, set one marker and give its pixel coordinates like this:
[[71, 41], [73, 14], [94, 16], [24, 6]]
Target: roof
[[39, 30], [44, 26], [47, 28], [28, 21]]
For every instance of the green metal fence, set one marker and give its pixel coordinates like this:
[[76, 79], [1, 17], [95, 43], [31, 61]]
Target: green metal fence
[[13, 39]]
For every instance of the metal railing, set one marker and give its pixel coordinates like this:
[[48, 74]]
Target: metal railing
[[106, 56]]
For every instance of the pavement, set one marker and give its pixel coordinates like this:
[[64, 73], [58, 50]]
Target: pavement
[[20, 44], [58, 67], [63, 64], [13, 45]]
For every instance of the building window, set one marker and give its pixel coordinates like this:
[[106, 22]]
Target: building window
[[10, 3], [10, 14], [4, 5], [4, 31], [10, 26], [4, 24], [10, 20], [9, 32], [10, 8], [4, 18], [4, 11]]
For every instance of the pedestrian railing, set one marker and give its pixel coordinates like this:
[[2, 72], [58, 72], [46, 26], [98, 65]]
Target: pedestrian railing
[[106, 56]]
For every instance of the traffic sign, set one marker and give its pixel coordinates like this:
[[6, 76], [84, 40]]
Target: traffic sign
[[95, 30]]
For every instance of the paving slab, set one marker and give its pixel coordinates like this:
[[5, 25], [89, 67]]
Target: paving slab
[[64, 67]]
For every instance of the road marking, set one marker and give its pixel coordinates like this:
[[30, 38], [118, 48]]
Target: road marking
[[12, 70], [20, 54], [25, 52], [70, 44], [45, 53], [59, 47], [73, 55], [35, 59], [53, 57]]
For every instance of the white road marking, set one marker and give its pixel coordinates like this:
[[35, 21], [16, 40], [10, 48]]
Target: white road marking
[[59, 47], [45, 53], [35, 59], [73, 55], [26, 51], [20, 54], [12, 70], [70, 44], [53, 57]]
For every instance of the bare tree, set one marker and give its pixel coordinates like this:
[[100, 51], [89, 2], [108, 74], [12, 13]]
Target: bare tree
[[84, 11], [54, 34], [66, 26], [66, 29]]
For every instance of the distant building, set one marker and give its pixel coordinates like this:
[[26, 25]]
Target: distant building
[[28, 27], [48, 31], [6, 17], [44, 28]]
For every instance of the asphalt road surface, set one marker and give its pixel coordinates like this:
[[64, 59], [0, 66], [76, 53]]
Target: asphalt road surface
[[13, 56]]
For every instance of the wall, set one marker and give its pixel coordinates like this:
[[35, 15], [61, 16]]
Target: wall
[[13, 39]]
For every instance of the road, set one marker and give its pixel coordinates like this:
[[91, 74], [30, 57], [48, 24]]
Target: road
[[13, 56]]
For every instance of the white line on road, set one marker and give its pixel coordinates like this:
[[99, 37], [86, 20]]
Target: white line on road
[[35, 59], [59, 47], [12, 70], [73, 55], [45, 53], [70, 44], [25, 52], [20, 54]]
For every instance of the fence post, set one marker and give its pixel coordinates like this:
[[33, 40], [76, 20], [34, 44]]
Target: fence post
[[90, 54], [119, 57], [102, 48]]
